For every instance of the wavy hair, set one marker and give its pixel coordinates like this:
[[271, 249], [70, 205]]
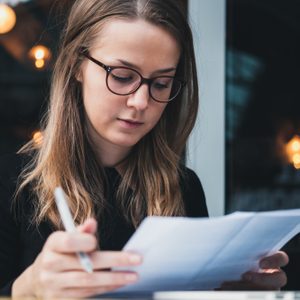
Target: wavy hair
[[66, 157]]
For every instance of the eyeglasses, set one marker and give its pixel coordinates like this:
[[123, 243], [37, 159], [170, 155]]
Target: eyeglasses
[[125, 81]]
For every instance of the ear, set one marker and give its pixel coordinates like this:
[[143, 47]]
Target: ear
[[78, 75]]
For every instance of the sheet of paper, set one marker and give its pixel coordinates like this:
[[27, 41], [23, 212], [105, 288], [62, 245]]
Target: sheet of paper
[[201, 253]]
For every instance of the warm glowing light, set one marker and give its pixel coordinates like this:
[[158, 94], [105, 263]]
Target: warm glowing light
[[296, 158], [295, 145], [293, 151], [7, 18], [40, 55], [39, 63], [37, 137]]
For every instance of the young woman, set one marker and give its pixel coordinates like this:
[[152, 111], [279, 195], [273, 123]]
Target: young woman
[[123, 101]]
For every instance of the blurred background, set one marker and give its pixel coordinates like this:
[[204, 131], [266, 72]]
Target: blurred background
[[263, 110], [262, 103], [29, 34]]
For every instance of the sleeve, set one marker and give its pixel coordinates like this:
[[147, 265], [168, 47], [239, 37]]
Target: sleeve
[[9, 232], [193, 194]]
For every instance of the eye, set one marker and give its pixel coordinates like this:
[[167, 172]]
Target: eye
[[123, 75], [162, 83], [121, 79]]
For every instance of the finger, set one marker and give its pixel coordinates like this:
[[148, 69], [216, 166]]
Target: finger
[[70, 242], [101, 260], [89, 226], [277, 260], [58, 262], [85, 293], [273, 279], [94, 280], [110, 259]]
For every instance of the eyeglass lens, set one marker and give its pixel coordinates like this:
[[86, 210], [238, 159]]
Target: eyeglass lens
[[125, 81]]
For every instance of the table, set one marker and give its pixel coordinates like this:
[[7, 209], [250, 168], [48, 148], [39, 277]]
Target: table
[[207, 295], [193, 295]]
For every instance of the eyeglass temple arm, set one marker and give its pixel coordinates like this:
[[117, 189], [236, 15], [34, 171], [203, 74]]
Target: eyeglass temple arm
[[106, 68]]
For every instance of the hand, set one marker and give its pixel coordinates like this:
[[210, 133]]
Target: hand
[[270, 277], [57, 271]]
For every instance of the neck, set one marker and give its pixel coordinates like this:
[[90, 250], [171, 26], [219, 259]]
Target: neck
[[108, 154]]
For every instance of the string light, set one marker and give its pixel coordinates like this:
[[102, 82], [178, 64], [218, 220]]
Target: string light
[[7, 18], [293, 151], [37, 137], [40, 55]]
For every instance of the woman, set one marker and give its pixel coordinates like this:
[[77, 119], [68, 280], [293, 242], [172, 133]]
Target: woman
[[123, 101]]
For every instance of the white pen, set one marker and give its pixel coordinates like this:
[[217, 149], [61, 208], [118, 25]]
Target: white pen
[[69, 225]]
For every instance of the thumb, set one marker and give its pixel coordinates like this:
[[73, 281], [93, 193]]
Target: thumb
[[88, 226]]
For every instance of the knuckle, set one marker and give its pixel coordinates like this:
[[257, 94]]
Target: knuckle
[[68, 241], [122, 259], [121, 279], [117, 279], [84, 279], [52, 238], [45, 279], [48, 261]]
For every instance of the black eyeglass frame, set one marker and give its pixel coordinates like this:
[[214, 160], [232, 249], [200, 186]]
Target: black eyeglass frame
[[147, 81]]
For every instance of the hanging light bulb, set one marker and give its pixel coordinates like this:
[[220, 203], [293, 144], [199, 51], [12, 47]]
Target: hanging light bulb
[[40, 55], [7, 18], [293, 151]]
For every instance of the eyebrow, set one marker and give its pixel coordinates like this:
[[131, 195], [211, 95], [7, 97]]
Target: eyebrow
[[131, 65]]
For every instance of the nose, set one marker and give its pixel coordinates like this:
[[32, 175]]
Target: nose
[[140, 98]]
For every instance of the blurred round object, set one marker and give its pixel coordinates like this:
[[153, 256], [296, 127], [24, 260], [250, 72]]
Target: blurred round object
[[40, 55], [7, 18]]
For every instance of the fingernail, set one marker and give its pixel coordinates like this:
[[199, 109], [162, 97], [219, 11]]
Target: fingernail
[[131, 277], [135, 259]]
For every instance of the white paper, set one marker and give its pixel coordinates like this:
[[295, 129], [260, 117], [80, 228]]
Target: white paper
[[201, 253]]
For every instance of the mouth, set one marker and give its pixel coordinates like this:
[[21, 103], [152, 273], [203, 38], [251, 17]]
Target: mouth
[[130, 123]]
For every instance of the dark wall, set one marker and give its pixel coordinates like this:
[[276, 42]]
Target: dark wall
[[263, 109]]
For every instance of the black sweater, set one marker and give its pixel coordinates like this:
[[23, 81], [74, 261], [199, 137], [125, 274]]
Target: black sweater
[[21, 241]]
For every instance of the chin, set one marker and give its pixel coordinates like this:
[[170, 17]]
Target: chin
[[127, 142]]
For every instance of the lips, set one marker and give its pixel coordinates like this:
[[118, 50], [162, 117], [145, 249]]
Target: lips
[[133, 122], [129, 124]]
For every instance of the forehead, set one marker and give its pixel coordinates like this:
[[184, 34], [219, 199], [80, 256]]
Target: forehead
[[138, 41]]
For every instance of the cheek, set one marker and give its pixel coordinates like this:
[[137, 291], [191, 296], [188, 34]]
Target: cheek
[[157, 113], [93, 90], [98, 101]]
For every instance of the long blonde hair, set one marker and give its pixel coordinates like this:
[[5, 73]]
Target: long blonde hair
[[66, 157]]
